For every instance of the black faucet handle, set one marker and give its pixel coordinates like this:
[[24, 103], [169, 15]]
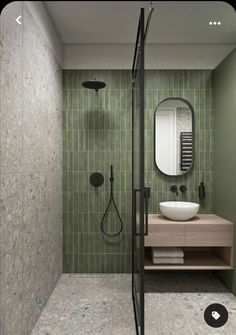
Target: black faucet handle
[[183, 188], [174, 189]]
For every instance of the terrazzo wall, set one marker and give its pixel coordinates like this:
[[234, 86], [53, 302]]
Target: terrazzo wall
[[31, 171], [97, 133]]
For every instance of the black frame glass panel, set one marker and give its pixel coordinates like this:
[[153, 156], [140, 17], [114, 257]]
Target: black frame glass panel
[[138, 178]]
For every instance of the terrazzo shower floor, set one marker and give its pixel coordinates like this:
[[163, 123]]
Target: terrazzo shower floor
[[102, 305]]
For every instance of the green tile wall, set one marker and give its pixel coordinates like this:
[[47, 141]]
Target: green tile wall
[[97, 133], [225, 153], [196, 87]]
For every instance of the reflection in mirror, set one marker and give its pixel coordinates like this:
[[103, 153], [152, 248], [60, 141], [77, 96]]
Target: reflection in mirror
[[174, 136]]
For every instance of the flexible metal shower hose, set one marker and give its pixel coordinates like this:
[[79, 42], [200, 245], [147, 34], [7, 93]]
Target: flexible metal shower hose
[[111, 200]]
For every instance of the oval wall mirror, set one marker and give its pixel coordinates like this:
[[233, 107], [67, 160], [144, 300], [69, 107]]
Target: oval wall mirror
[[174, 136]]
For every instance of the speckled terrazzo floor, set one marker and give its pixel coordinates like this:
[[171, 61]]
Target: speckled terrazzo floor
[[175, 303], [89, 305], [102, 305]]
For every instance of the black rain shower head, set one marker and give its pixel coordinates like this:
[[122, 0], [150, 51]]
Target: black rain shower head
[[94, 84]]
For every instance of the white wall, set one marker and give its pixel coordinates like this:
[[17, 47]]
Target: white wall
[[98, 56], [158, 56], [120, 56]]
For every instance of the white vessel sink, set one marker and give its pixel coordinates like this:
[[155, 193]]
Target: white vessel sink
[[179, 210]]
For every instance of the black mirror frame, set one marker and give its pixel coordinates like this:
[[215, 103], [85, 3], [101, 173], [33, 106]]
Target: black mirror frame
[[193, 131]]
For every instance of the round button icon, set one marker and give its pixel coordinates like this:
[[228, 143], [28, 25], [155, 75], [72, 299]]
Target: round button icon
[[216, 315]]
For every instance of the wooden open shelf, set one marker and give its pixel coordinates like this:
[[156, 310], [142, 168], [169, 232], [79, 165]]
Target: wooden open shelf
[[194, 259], [207, 241]]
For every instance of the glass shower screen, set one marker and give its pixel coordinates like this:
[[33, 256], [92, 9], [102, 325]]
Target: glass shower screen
[[138, 178]]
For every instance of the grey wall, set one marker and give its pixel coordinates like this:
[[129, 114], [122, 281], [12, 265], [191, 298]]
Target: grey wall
[[31, 171], [225, 147]]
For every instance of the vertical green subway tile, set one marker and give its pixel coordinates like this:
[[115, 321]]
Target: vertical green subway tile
[[80, 93], [65, 119], [97, 133], [81, 119], [66, 263]]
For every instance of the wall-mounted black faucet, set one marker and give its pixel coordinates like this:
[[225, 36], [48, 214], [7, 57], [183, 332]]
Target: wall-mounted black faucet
[[183, 189], [174, 189]]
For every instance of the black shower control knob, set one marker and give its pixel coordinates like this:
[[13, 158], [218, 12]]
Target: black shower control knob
[[96, 179], [174, 189], [183, 188]]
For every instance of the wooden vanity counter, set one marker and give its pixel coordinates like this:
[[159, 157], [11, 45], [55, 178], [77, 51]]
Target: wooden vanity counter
[[207, 241]]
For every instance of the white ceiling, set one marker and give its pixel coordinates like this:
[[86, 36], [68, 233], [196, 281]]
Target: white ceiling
[[175, 23], [116, 21]]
